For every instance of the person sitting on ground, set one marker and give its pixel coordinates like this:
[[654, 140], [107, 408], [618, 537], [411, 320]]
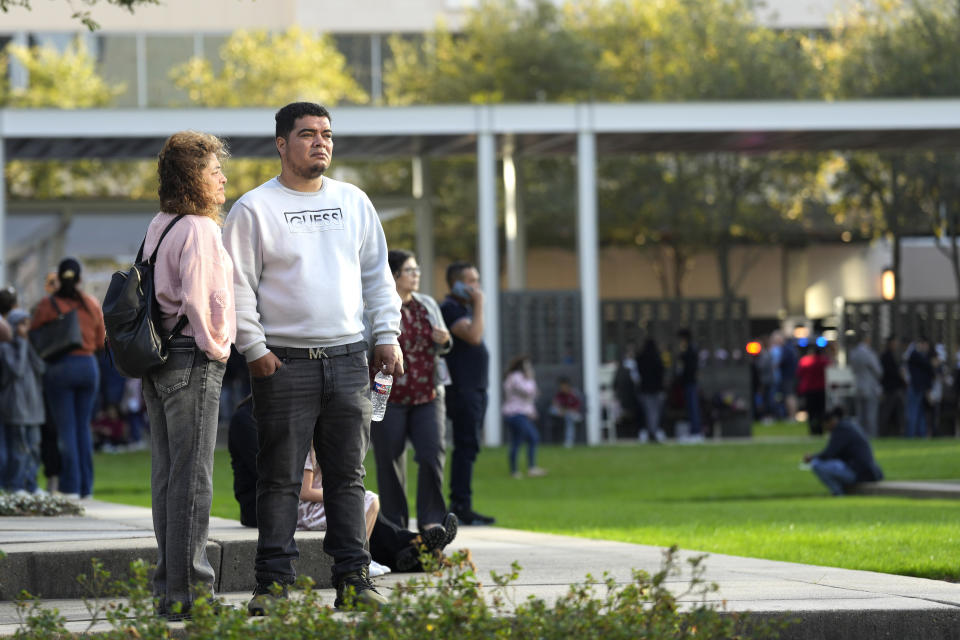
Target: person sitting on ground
[[566, 404], [21, 406], [390, 544], [312, 516], [847, 459]]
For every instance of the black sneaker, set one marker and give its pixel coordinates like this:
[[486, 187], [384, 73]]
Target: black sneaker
[[408, 558], [265, 597], [433, 538], [437, 538], [354, 588], [470, 518]]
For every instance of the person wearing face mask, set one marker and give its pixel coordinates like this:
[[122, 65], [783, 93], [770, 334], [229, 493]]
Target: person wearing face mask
[[466, 400]]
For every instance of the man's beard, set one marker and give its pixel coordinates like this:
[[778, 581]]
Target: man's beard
[[309, 172]]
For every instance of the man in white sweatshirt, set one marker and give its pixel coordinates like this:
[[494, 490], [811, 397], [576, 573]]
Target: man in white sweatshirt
[[309, 256]]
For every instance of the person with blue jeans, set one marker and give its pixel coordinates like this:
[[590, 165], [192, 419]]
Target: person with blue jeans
[[519, 394], [21, 404], [71, 381], [847, 459], [193, 283], [310, 259], [689, 362], [921, 374]]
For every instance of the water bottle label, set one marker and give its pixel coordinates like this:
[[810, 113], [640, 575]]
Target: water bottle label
[[381, 388]]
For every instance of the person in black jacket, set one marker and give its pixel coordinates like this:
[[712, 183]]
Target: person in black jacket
[[650, 367], [891, 414], [921, 370], [689, 360], [847, 459]]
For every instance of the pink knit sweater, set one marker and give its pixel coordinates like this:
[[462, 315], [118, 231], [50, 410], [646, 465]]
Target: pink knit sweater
[[519, 394], [194, 276]]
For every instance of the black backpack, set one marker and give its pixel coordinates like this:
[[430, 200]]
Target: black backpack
[[132, 317]]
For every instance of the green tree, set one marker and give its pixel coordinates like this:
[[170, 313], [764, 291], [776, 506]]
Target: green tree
[[67, 80], [504, 53], [262, 69], [80, 14], [899, 49], [614, 50], [702, 50]]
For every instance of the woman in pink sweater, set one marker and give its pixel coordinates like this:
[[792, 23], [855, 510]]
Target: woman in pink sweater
[[519, 412], [193, 280]]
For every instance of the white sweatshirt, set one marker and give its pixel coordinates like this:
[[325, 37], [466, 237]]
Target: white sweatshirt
[[305, 264]]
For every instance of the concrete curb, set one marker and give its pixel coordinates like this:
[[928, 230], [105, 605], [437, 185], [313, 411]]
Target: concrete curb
[[941, 490]]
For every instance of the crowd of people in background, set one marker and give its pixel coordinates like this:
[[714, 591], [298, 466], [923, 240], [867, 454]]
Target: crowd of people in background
[[897, 392]]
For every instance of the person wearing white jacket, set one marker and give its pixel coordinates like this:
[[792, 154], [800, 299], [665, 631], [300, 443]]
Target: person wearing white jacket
[[309, 258]]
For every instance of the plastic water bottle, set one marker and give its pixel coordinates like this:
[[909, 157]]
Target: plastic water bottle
[[382, 383]]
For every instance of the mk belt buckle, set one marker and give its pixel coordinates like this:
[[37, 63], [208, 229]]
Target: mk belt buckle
[[318, 353]]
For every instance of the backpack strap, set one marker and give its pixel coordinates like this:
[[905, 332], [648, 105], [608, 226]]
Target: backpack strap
[[177, 328], [56, 307], [153, 256]]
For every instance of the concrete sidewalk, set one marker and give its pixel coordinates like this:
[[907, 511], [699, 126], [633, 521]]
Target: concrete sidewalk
[[828, 603]]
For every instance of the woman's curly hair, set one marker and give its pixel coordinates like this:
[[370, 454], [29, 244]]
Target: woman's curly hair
[[180, 168]]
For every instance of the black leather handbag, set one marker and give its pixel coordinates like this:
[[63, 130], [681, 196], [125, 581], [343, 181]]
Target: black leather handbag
[[131, 316], [58, 337]]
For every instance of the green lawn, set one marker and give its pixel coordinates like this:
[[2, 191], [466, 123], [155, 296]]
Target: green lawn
[[738, 498]]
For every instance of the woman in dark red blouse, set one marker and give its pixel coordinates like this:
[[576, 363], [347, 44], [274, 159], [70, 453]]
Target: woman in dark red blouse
[[415, 409]]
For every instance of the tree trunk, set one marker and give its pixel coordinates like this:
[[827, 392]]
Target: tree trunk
[[680, 261]]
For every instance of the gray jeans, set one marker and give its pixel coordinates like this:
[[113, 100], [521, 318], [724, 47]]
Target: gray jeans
[[326, 402], [183, 403], [421, 425], [867, 409], [652, 406]]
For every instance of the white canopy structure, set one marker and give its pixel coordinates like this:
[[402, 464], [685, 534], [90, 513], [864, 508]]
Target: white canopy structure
[[584, 130]]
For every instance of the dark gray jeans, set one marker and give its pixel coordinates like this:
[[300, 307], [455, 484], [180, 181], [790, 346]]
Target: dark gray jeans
[[326, 401], [421, 424], [183, 403]]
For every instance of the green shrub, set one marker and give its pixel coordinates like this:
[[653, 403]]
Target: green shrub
[[30, 504], [448, 602]]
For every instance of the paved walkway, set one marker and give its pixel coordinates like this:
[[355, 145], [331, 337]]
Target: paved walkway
[[828, 603]]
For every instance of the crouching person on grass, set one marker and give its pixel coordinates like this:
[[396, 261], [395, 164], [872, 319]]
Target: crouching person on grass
[[847, 458]]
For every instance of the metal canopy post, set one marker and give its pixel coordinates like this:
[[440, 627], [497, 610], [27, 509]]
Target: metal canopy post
[[489, 273], [512, 219], [587, 255], [422, 193]]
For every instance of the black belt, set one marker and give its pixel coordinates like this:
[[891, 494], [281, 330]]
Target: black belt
[[318, 353]]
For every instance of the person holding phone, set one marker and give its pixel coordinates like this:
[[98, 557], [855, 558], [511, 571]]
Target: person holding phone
[[466, 400]]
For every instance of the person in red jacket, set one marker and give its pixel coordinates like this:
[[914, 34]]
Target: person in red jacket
[[812, 386], [71, 381]]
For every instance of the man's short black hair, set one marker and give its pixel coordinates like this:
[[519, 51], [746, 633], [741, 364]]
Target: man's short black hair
[[8, 300], [684, 334], [455, 271], [287, 116]]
